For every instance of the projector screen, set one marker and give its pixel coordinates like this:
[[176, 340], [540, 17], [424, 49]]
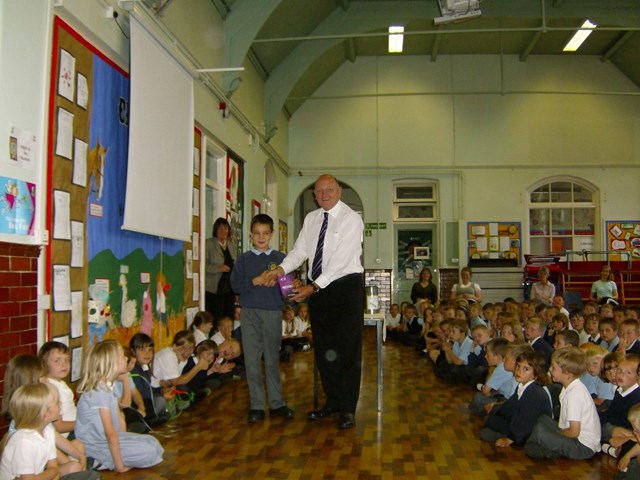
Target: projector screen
[[160, 166]]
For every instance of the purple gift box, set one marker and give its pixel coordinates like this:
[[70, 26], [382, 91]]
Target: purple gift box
[[286, 285]]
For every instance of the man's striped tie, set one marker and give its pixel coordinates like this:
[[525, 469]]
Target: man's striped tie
[[316, 268]]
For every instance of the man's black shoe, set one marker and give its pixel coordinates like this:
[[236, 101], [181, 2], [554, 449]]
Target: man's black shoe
[[322, 413], [346, 420]]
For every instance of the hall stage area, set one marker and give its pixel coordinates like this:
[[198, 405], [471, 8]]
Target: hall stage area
[[425, 430]]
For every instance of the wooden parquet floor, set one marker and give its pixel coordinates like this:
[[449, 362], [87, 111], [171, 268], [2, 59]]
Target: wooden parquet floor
[[425, 431]]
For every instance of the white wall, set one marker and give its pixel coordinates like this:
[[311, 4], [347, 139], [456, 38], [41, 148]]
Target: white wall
[[24, 28], [486, 135]]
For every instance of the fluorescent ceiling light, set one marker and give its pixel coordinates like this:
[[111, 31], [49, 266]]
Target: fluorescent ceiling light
[[395, 39], [579, 37]]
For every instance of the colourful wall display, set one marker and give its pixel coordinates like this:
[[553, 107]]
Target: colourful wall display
[[494, 240], [623, 239]]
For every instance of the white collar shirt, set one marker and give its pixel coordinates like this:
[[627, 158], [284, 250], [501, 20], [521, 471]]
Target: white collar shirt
[[342, 244]]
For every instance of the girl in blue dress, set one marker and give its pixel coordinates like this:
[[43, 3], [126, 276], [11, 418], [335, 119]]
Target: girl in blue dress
[[99, 423]]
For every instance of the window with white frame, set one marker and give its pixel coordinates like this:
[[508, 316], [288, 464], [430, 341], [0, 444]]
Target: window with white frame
[[562, 216], [414, 201]]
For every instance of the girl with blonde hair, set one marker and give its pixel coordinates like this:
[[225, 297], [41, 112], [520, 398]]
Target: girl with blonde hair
[[31, 450], [105, 434]]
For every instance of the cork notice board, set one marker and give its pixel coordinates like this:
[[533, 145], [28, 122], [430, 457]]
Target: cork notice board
[[494, 240], [623, 239]]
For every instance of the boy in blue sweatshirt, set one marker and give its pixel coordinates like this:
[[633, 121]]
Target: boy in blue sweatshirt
[[261, 320]]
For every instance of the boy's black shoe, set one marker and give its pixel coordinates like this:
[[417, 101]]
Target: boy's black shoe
[[256, 416]]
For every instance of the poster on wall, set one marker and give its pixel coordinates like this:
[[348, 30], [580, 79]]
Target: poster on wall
[[494, 240], [132, 282], [414, 252], [234, 196], [623, 239], [17, 206]]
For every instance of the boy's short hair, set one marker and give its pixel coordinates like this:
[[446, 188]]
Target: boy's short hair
[[484, 328], [593, 350], [487, 306], [632, 357], [606, 306], [461, 325], [620, 308], [183, 337], [570, 360], [207, 345], [202, 318], [498, 346], [634, 416], [412, 307], [535, 321], [140, 340], [540, 307], [48, 347], [631, 322], [593, 316], [516, 349], [609, 321], [561, 317], [571, 337], [29, 403], [263, 219]]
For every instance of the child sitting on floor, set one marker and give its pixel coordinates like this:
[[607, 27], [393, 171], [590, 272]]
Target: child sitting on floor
[[500, 384], [513, 421], [129, 398], [609, 334], [153, 397], [201, 326], [205, 381], [477, 367], [169, 362], [599, 389], [31, 451], [56, 358], [100, 425], [565, 339], [577, 434], [592, 327], [28, 369], [627, 395], [456, 352]]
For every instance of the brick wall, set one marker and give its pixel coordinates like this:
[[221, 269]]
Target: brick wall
[[382, 279], [18, 303]]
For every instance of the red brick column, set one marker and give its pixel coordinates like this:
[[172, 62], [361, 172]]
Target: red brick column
[[18, 303]]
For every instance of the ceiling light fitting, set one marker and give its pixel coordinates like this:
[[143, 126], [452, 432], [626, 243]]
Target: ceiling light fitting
[[580, 36], [396, 38], [457, 10]]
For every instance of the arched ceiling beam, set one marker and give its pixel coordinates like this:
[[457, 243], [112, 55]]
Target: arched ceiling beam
[[363, 17], [240, 29], [621, 41], [360, 17]]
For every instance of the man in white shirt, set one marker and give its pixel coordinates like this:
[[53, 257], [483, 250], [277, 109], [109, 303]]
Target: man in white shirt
[[330, 241]]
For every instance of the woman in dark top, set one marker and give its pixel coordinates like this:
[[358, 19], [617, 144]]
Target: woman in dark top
[[424, 290]]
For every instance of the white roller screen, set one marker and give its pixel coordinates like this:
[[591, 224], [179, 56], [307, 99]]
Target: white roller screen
[[160, 170]]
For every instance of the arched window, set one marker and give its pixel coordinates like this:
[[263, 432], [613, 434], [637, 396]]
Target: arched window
[[562, 216]]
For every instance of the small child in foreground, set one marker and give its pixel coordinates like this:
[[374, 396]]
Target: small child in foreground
[[31, 450], [577, 434], [99, 424], [56, 358], [513, 421]]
